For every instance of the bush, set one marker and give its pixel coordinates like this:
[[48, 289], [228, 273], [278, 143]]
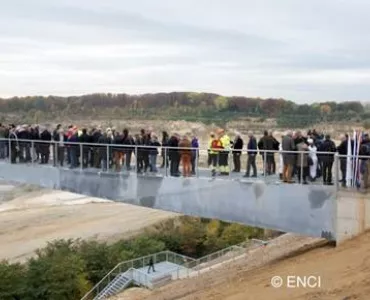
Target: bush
[[98, 259], [58, 272], [13, 281], [67, 269], [235, 234]]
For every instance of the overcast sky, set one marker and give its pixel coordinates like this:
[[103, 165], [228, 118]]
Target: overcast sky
[[301, 50]]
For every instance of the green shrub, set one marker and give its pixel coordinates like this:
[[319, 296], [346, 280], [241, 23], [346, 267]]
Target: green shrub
[[58, 272], [67, 269], [12, 281]]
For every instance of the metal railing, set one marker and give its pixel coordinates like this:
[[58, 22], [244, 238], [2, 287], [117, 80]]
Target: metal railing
[[219, 257], [186, 266], [111, 157], [136, 264]]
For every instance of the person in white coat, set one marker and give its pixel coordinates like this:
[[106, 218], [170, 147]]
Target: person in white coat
[[312, 159]]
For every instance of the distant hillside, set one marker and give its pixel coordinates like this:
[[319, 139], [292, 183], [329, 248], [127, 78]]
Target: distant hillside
[[177, 106]]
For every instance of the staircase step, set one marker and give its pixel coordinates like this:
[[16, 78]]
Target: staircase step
[[114, 287]]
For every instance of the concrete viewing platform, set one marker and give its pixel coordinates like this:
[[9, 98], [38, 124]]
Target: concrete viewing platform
[[314, 210]]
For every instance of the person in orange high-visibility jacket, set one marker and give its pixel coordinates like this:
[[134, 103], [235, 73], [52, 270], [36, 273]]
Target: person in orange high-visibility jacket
[[223, 160], [214, 147]]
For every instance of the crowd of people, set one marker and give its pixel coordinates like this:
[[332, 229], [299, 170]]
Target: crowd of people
[[84, 148], [304, 156]]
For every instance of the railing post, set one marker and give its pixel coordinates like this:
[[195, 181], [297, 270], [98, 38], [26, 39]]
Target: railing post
[[336, 170], [10, 150], [197, 162], [166, 256], [81, 157], [264, 163], [301, 173], [107, 165], [229, 159], [32, 151], [57, 152], [165, 161], [136, 160]]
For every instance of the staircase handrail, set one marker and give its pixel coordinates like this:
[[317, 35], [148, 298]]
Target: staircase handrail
[[189, 261], [85, 297], [230, 248], [131, 262], [204, 259], [118, 266], [241, 247], [125, 273], [188, 258]]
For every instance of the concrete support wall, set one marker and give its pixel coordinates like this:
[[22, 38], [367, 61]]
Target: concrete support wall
[[304, 209], [353, 214]]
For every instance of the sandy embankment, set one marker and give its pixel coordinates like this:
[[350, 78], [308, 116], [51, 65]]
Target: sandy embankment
[[344, 273], [30, 217]]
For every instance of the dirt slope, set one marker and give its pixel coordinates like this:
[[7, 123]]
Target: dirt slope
[[29, 218], [344, 273]]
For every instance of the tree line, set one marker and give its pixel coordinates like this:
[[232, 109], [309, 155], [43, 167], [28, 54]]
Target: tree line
[[67, 269], [204, 107]]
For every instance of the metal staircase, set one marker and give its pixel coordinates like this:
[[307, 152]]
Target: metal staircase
[[118, 284], [169, 266]]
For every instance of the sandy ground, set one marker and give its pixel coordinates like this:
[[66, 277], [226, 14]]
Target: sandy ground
[[30, 217], [344, 274]]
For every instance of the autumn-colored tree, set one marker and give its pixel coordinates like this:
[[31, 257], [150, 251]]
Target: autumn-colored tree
[[221, 103], [325, 109], [213, 242]]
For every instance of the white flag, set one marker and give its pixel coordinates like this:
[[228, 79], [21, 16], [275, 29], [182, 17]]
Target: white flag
[[349, 163]]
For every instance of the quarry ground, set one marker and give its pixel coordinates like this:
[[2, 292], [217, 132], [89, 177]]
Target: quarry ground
[[30, 217], [344, 273]]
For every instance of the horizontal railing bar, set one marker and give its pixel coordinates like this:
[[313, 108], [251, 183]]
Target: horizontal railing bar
[[180, 255], [134, 146]]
